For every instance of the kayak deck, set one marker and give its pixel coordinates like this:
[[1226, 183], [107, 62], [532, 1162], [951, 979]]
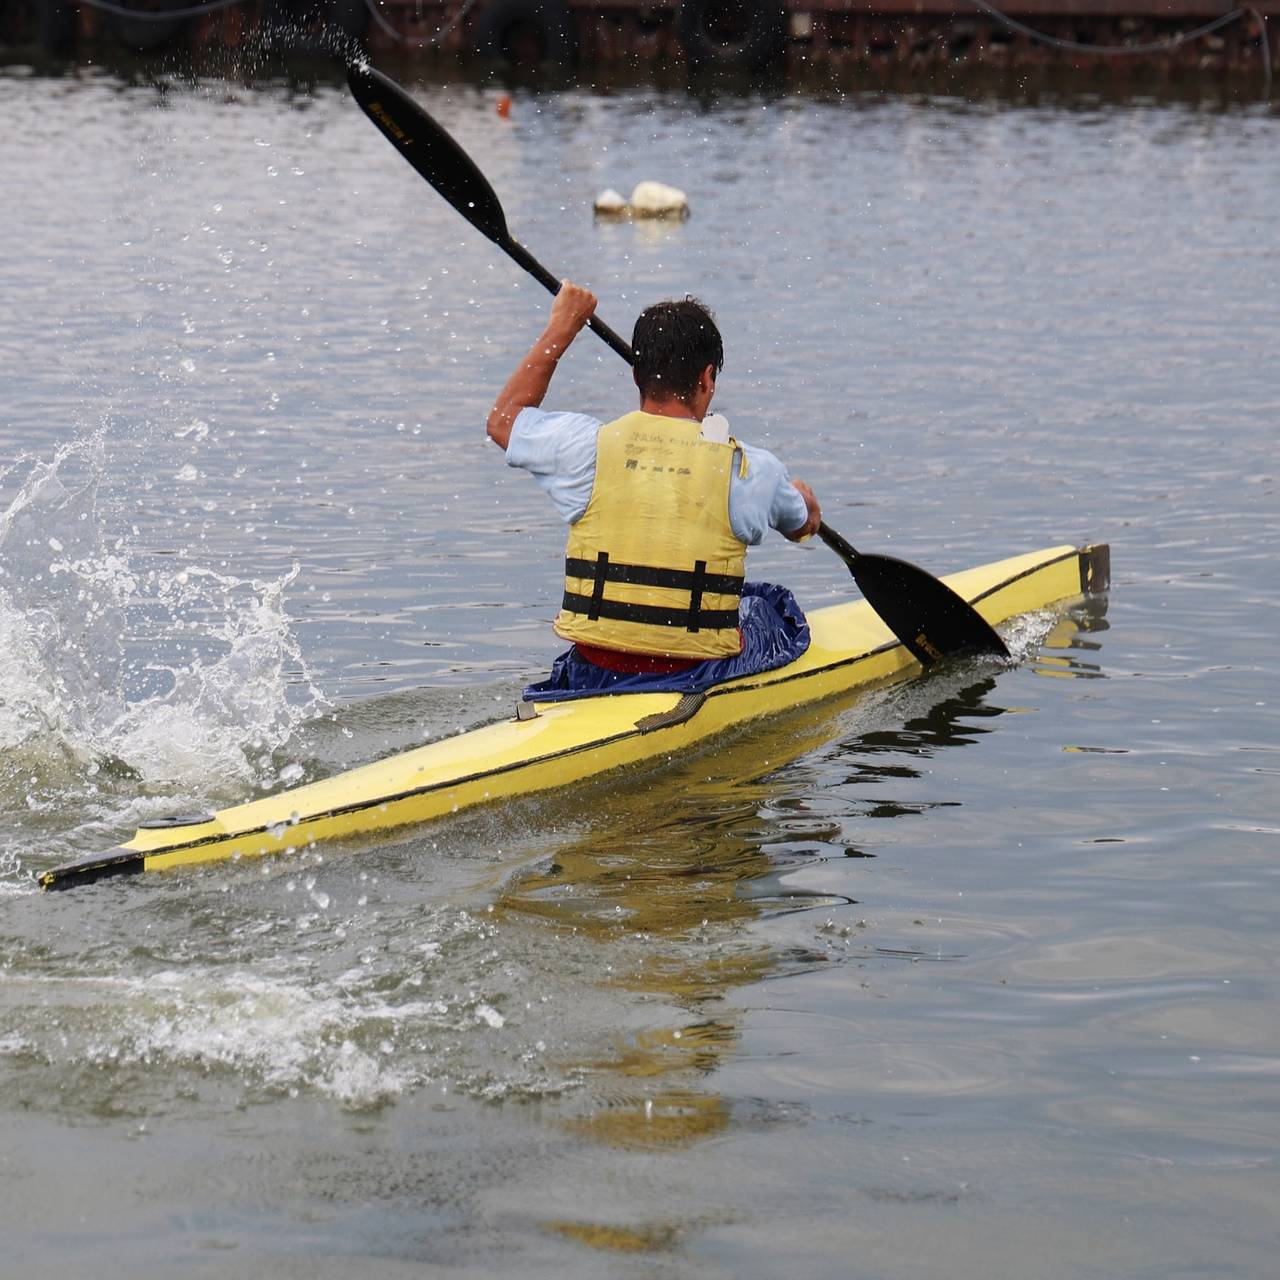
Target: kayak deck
[[549, 745]]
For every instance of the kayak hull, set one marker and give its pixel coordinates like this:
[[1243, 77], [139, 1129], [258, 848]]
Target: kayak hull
[[550, 745]]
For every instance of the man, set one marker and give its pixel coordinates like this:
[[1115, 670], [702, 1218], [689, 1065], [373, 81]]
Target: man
[[660, 511]]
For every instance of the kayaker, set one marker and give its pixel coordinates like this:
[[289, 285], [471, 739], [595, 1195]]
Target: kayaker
[[661, 506]]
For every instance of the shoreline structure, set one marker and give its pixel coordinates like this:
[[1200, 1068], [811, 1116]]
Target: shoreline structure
[[1117, 37]]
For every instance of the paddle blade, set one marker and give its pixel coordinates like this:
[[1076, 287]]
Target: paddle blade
[[930, 619], [431, 151]]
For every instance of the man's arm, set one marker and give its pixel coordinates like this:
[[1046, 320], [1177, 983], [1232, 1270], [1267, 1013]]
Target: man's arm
[[528, 385], [810, 526]]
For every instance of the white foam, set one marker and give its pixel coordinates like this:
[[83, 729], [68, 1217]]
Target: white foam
[[273, 1032], [1028, 631], [83, 615]]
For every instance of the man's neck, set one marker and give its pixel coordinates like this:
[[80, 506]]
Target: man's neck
[[669, 407]]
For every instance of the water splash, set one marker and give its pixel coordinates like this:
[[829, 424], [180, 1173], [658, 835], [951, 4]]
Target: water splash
[[168, 675], [1026, 633], [340, 1020]]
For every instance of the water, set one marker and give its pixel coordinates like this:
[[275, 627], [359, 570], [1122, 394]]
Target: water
[[975, 976]]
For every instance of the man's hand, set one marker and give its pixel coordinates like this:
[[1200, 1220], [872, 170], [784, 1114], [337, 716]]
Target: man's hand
[[810, 526], [572, 308], [526, 387]]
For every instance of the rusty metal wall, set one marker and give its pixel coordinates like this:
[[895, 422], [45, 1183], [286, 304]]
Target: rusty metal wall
[[871, 34]]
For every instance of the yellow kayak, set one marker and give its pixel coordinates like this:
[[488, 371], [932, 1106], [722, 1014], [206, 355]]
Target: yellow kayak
[[548, 745]]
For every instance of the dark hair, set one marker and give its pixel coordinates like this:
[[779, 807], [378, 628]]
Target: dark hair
[[673, 342]]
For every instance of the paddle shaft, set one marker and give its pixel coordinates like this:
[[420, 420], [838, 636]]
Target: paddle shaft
[[841, 546], [518, 253], [438, 158]]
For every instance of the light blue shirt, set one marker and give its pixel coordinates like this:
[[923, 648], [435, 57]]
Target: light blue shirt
[[559, 451]]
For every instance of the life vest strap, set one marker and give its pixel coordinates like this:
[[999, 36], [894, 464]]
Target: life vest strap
[[602, 570], [650, 615]]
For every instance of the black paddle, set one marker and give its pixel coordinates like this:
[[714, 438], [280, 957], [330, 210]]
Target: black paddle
[[930, 619], [925, 614], [444, 164]]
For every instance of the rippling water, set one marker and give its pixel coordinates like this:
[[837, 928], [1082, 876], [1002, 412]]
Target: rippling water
[[974, 976]]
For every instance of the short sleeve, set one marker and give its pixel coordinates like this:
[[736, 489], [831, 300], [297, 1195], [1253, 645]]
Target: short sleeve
[[559, 451], [764, 498]]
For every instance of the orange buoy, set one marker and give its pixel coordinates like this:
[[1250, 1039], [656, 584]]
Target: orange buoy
[[504, 105]]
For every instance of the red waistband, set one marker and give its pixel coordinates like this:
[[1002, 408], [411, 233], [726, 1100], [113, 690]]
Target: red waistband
[[636, 664]]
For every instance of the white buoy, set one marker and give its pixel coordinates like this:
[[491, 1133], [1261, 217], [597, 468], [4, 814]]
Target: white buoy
[[611, 203], [657, 200]]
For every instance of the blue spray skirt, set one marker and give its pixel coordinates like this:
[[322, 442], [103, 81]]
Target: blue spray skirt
[[774, 632]]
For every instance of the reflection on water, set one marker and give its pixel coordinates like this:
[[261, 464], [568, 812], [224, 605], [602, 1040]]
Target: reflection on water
[[1068, 643], [672, 871], [660, 890], [946, 724]]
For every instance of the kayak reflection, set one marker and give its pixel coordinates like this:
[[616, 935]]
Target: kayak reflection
[[674, 886]]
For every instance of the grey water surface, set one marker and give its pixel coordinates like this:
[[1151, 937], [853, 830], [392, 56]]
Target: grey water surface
[[973, 976]]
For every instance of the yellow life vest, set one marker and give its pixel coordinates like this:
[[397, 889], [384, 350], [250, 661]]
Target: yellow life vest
[[653, 566]]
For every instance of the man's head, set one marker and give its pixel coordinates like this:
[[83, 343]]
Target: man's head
[[674, 343]]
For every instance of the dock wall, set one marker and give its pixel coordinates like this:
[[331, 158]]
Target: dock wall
[[1116, 37]]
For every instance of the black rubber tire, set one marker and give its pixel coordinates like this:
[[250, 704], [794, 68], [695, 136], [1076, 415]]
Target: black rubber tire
[[506, 27], [732, 35], [145, 34]]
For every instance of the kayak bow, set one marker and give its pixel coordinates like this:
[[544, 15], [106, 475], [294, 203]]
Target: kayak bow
[[549, 745]]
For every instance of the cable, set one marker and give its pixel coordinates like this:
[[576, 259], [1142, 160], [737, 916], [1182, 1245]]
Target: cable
[[1264, 39], [1112, 50], [166, 15], [417, 42], [211, 6]]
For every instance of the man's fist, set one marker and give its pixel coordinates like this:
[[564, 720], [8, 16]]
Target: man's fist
[[572, 308], [810, 526]]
